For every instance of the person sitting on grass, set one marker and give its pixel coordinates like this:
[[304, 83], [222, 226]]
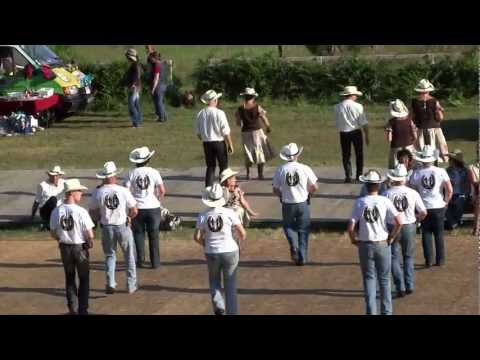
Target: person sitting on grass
[[214, 231], [236, 197]]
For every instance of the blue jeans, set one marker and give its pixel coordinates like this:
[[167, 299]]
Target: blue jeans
[[404, 247], [296, 225], [375, 263], [134, 107], [158, 101], [226, 264], [111, 236], [147, 220], [432, 227], [455, 210]]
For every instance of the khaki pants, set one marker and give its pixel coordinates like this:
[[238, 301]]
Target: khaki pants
[[392, 158], [435, 138]]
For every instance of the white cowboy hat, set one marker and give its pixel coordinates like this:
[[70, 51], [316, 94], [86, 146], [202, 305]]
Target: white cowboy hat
[[398, 109], [398, 174], [226, 174], [73, 185], [212, 196], [56, 170], [289, 151], [140, 155], [350, 90], [109, 169], [131, 54], [249, 91], [209, 96], [427, 155], [424, 86], [372, 177]]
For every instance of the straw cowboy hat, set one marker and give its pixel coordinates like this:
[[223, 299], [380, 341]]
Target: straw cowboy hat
[[56, 170], [427, 155], [140, 155], [226, 174], [350, 90], [372, 177], [73, 185], [424, 86], [132, 54], [209, 96], [289, 151], [212, 196], [109, 170], [249, 91], [398, 109], [457, 155], [398, 174]]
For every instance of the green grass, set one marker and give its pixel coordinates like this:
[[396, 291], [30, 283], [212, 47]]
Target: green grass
[[88, 140]]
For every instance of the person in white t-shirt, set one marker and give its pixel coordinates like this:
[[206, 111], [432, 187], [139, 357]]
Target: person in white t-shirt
[[368, 230], [214, 232], [213, 130], [115, 206], [406, 201], [293, 183], [434, 186], [47, 195], [72, 226], [350, 120], [148, 189]]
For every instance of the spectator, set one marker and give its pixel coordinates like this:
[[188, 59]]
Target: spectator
[[213, 130], [351, 120], [458, 174], [158, 85], [473, 175], [133, 82], [252, 117], [400, 130], [214, 231]]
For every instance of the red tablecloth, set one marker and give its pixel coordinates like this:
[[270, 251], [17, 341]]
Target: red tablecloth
[[30, 107]]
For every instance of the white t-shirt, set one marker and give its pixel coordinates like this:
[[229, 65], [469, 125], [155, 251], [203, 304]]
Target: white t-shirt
[[70, 221], [46, 190], [142, 182], [349, 116], [372, 212], [212, 124], [428, 182], [293, 180], [113, 201], [405, 200], [217, 224]]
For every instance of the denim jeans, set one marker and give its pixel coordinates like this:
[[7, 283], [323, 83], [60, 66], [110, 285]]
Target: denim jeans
[[375, 263], [296, 225], [455, 210], [147, 220], [158, 101], [225, 264], [432, 227], [404, 248], [75, 260], [134, 107], [111, 236]]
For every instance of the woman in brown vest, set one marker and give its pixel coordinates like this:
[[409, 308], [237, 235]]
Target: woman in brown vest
[[427, 115], [251, 116]]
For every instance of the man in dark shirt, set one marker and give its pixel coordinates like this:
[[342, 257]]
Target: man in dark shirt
[[157, 86], [134, 87]]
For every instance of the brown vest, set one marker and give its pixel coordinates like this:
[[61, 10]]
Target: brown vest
[[250, 118], [402, 134], [424, 111]]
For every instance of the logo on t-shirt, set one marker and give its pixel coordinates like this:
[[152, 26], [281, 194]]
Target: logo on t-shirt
[[111, 201], [400, 202], [371, 215], [428, 182], [292, 179], [143, 182], [215, 224], [66, 222]]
